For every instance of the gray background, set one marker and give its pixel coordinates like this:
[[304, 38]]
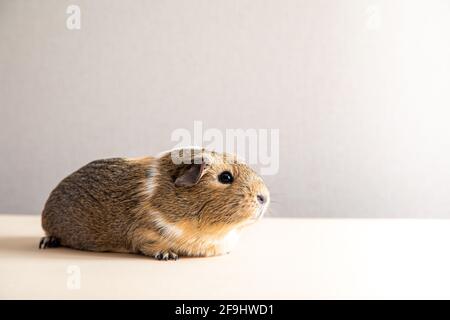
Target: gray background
[[360, 91]]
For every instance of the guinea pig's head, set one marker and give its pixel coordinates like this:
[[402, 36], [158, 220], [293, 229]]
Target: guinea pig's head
[[209, 188]]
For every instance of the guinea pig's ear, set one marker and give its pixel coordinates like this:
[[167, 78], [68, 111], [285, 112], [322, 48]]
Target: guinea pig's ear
[[191, 176]]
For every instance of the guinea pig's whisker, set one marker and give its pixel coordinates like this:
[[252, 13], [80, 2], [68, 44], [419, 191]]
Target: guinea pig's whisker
[[277, 193]]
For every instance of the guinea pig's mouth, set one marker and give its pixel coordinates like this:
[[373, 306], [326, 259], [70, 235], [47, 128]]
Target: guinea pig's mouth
[[260, 212], [256, 215]]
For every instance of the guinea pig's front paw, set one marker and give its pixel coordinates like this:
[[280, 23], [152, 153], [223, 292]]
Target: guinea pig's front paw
[[166, 255]]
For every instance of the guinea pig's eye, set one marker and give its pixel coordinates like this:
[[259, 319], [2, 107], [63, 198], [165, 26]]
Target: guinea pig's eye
[[226, 177]]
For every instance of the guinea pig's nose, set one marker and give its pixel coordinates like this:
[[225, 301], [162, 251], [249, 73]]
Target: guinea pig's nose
[[261, 198]]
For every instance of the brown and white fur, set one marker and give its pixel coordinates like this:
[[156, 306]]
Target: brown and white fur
[[155, 207]]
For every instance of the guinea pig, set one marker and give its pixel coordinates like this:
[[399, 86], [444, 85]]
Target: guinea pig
[[186, 202]]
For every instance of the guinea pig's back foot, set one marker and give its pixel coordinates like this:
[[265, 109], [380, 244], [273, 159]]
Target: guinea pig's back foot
[[49, 242]]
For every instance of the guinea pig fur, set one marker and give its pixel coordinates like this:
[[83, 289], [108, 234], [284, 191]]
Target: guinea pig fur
[[156, 206]]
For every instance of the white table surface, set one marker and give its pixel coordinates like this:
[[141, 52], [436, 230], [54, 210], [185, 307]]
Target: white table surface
[[275, 259]]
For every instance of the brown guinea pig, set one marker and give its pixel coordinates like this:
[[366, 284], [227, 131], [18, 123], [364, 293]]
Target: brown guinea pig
[[188, 202]]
